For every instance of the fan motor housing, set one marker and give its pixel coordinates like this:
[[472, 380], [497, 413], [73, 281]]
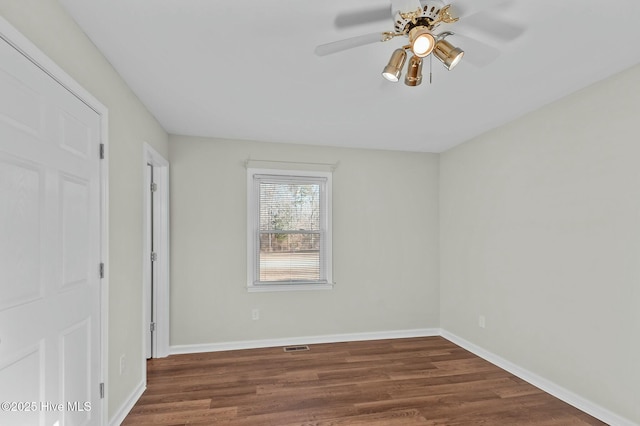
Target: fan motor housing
[[429, 13]]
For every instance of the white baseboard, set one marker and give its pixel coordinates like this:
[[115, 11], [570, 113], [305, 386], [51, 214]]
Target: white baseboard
[[334, 338], [559, 392], [128, 404]]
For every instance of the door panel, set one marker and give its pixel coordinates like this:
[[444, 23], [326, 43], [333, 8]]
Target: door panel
[[74, 215], [25, 373], [19, 227], [19, 112], [75, 350]]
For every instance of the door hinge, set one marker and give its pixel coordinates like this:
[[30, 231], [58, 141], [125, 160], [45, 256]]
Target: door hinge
[[102, 390], [152, 327], [154, 187], [154, 256], [102, 151], [101, 272]]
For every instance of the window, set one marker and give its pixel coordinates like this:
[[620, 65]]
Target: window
[[289, 230]]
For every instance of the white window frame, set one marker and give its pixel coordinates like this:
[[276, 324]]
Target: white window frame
[[253, 228]]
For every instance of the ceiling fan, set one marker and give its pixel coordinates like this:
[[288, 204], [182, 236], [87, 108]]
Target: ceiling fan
[[420, 21]]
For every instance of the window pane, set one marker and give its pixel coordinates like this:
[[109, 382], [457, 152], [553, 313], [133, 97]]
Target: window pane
[[289, 206], [289, 257]]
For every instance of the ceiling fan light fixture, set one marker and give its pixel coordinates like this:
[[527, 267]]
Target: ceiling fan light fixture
[[421, 40], [393, 70], [414, 72], [448, 54]]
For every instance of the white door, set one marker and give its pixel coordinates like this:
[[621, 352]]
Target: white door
[[49, 250]]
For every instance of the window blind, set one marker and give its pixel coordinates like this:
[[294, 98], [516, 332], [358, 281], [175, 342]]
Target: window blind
[[291, 226]]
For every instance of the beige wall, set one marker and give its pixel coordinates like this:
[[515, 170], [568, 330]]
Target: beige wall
[[48, 26], [540, 232], [384, 245]]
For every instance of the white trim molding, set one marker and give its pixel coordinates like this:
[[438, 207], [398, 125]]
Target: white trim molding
[[287, 341], [268, 288], [546, 385], [161, 297]]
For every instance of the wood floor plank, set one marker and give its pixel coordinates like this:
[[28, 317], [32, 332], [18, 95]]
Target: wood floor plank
[[419, 381]]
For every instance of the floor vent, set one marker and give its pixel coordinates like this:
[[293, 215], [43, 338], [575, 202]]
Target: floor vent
[[296, 348]]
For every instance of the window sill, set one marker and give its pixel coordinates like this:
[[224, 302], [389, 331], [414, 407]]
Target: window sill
[[265, 288]]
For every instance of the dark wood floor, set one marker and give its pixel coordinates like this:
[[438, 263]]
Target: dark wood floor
[[420, 381]]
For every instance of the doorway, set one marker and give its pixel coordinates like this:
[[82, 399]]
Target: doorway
[[155, 263]]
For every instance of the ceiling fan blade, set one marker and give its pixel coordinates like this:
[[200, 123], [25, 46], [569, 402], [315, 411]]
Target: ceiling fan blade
[[464, 8], [405, 6], [348, 43], [487, 24], [475, 52], [350, 19], [378, 14]]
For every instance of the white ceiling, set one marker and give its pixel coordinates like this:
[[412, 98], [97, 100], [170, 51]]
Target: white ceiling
[[247, 70]]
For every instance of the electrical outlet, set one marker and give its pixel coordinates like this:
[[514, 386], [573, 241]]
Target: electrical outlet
[[255, 314], [123, 364], [482, 323]]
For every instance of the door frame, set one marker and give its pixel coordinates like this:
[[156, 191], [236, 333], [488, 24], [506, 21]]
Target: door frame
[[22, 44], [161, 272]]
